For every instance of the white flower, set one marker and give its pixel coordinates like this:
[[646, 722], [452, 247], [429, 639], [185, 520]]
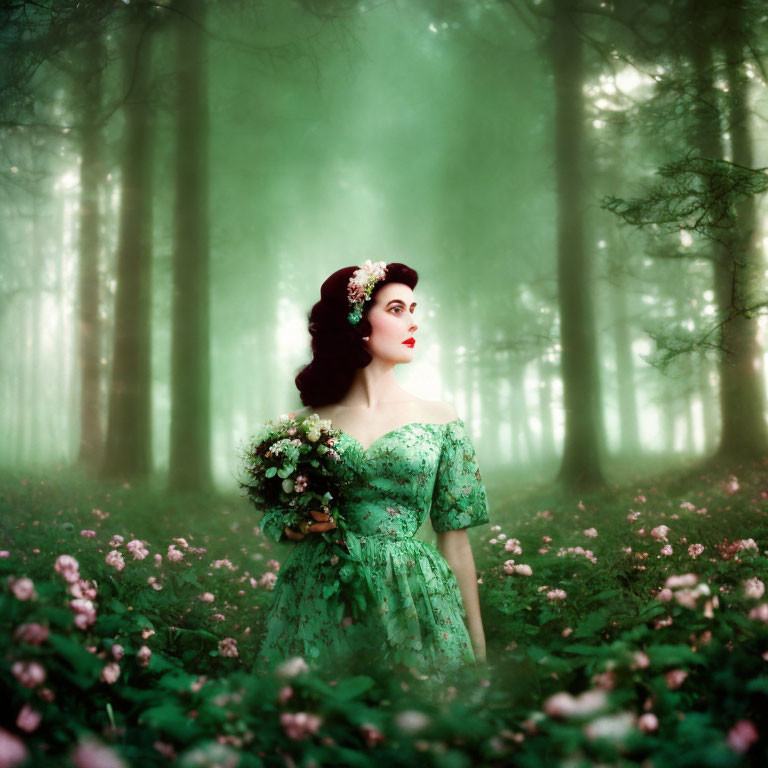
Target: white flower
[[291, 667]]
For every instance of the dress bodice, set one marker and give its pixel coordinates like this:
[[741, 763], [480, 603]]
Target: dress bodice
[[410, 472]]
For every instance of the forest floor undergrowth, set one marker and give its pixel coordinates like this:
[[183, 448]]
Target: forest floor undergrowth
[[624, 626]]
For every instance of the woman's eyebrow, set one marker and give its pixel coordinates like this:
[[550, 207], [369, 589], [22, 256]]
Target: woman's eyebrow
[[398, 301]]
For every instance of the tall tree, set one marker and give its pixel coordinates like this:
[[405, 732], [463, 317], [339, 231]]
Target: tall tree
[[128, 446], [580, 465], [190, 455], [91, 173]]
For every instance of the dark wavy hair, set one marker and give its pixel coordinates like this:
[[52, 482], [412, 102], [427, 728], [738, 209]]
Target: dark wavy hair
[[338, 349]]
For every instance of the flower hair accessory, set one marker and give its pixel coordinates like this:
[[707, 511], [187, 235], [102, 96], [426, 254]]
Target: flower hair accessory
[[360, 286]]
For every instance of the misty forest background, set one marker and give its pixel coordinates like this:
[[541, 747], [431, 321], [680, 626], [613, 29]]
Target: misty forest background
[[579, 185]]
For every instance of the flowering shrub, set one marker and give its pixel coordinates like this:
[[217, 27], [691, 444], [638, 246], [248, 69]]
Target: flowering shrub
[[138, 643]]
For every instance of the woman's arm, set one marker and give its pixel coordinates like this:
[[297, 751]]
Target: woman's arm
[[456, 549]]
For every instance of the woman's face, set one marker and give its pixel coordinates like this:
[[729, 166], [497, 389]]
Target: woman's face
[[392, 323]]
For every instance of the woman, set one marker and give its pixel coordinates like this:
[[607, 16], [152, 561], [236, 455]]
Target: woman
[[407, 457]]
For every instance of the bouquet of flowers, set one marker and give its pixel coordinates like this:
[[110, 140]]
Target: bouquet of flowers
[[290, 465]]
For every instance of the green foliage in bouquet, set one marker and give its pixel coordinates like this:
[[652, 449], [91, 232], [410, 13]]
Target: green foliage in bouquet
[[290, 465]]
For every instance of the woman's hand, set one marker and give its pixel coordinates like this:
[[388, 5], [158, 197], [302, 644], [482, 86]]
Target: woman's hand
[[320, 524]]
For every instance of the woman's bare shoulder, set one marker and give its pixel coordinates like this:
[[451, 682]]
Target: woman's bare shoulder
[[439, 411]]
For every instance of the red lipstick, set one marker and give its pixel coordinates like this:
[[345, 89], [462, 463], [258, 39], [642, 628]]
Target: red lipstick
[[410, 342]]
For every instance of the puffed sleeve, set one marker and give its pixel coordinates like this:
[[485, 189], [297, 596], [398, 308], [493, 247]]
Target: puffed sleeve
[[459, 498]]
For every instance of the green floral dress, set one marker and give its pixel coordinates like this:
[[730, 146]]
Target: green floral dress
[[416, 616]]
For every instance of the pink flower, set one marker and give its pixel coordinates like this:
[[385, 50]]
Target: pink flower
[[591, 532], [665, 595], [206, 597], [28, 673], [640, 660], [143, 655], [732, 487], [695, 550], [753, 588], [117, 651], [115, 559], [556, 594], [228, 647], [647, 722], [285, 693], [137, 549], [614, 727], [509, 567], [523, 570], [12, 750], [372, 735], [268, 580], [31, 633], [513, 546], [742, 736], [83, 588], [23, 589], [87, 534], [660, 532], [166, 750], [604, 680], [4, 554], [116, 541], [158, 560], [666, 550], [27, 720], [273, 565], [91, 753], [686, 580], [675, 678], [546, 539], [566, 632], [68, 567], [85, 613], [110, 672], [564, 705], [181, 542], [299, 725], [759, 612], [174, 555]]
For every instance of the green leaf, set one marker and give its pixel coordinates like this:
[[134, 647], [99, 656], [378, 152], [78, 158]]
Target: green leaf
[[352, 687], [594, 623], [116, 606], [271, 472], [82, 662], [758, 685], [170, 718], [330, 589], [606, 594], [588, 650], [177, 680], [674, 654]]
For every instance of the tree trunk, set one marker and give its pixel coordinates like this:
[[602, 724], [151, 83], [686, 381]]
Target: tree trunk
[[128, 445], [190, 452], [89, 326], [744, 434], [580, 465]]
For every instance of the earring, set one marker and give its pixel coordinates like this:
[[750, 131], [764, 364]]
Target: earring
[[365, 338]]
